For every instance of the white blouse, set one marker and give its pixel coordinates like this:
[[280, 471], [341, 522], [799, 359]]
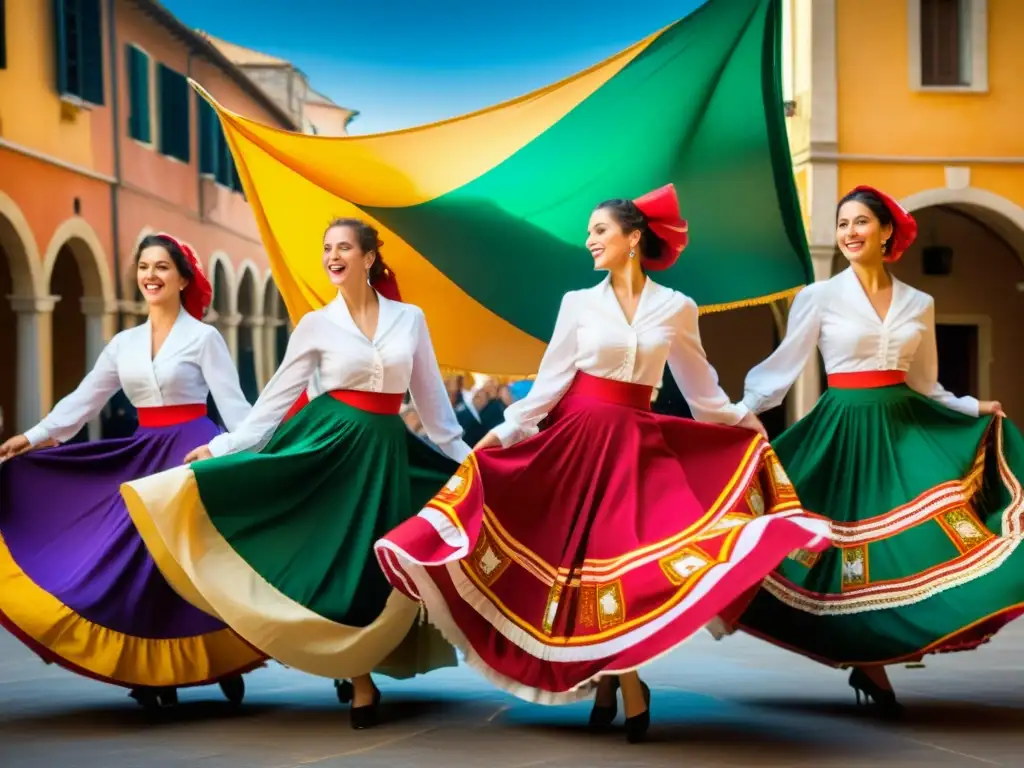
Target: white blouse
[[328, 343], [837, 316], [592, 335], [192, 362]]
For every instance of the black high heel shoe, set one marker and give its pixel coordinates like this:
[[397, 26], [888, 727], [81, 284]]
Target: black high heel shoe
[[366, 716], [883, 699], [602, 717], [637, 725]]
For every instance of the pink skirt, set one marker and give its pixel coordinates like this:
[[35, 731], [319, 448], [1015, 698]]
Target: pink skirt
[[599, 544]]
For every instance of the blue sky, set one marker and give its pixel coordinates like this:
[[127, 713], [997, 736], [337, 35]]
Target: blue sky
[[408, 62]]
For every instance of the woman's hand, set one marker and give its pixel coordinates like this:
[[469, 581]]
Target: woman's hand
[[16, 445], [751, 422], [990, 408], [490, 440], [200, 453]]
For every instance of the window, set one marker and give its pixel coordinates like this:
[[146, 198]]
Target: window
[[3, 36], [215, 157], [175, 117], [78, 26], [945, 48], [139, 103], [948, 44]]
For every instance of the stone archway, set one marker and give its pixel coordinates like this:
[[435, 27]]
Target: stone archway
[[224, 314], [135, 308], [77, 275], [276, 328], [250, 331], [21, 364], [969, 255]]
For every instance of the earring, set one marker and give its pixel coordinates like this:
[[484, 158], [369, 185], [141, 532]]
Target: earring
[[632, 253]]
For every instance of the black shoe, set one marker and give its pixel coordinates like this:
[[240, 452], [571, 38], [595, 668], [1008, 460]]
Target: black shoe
[[883, 699], [637, 725], [155, 699], [147, 698], [366, 716], [233, 689], [344, 691], [601, 717]]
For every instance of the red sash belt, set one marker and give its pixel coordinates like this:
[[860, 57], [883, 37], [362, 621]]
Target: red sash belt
[[618, 392], [386, 403], [866, 379], [170, 415]]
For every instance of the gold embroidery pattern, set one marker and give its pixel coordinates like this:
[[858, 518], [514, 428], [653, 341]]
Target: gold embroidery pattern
[[586, 608], [551, 609], [488, 560], [855, 567], [964, 528], [755, 499], [458, 485], [681, 567], [611, 605], [804, 557]]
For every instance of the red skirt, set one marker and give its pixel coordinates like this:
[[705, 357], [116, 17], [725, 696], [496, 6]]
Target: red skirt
[[599, 544]]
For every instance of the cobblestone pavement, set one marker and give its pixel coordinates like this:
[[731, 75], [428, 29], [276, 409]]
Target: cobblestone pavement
[[716, 704]]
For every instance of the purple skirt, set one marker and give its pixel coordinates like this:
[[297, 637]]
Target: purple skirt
[[77, 584]]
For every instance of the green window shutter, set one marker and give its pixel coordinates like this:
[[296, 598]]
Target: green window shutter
[[91, 51], [139, 105], [61, 43], [209, 136], [225, 163], [78, 45], [175, 117]]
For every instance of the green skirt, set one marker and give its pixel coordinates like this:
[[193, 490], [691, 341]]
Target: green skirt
[[279, 544], [927, 514]]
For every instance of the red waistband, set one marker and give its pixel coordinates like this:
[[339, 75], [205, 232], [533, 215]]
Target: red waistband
[[866, 379], [170, 415], [386, 403], [618, 392]]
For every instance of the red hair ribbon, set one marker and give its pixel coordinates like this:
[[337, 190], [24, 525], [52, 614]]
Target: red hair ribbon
[[905, 226], [199, 293], [661, 207]]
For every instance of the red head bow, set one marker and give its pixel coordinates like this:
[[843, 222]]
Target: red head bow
[[199, 293], [661, 207], [386, 283], [904, 226]]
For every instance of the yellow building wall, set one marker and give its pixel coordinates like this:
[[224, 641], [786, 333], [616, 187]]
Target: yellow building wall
[[30, 109], [879, 114]]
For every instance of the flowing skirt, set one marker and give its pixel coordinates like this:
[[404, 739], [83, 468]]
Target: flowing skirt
[[279, 544], [77, 584], [927, 513], [599, 544]]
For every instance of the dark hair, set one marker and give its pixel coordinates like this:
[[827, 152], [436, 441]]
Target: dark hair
[[368, 240], [172, 248], [631, 219], [877, 206]]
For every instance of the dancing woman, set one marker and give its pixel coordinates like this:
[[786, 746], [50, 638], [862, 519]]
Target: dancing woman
[[921, 487], [587, 549], [275, 535], [76, 582]]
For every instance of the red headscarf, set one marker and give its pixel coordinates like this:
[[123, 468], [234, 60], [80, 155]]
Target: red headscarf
[[904, 225], [661, 207], [386, 283], [199, 293]]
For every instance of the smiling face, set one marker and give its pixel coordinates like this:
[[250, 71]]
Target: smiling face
[[159, 279], [343, 259], [607, 243], [859, 233]]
